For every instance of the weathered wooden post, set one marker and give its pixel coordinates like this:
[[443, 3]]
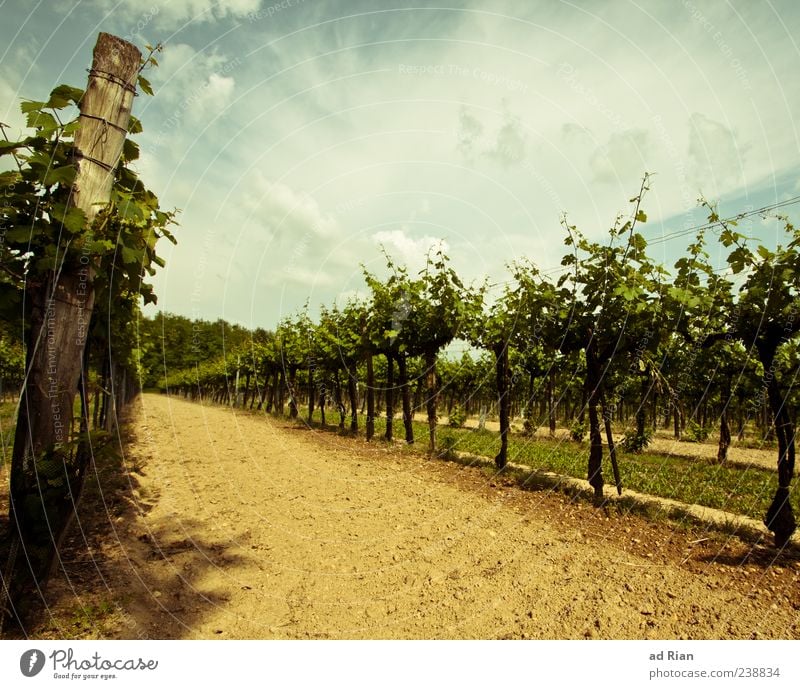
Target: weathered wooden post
[[46, 471]]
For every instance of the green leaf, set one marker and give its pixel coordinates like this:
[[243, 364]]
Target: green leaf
[[130, 150], [64, 176], [8, 146], [70, 128], [765, 253], [130, 211], [73, 219], [134, 126], [20, 235], [43, 121], [738, 259], [728, 237], [100, 247], [131, 255], [9, 178], [144, 84], [63, 95], [639, 242], [627, 292], [641, 216], [27, 106]]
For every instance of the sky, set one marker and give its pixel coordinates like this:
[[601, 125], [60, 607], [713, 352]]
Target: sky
[[300, 137]]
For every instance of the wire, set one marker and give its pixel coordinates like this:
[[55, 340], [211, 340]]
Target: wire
[[739, 216], [680, 233]]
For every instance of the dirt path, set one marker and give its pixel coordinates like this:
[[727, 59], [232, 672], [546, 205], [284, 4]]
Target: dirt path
[[252, 528]]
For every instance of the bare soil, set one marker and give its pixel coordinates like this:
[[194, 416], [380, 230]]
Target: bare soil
[[225, 524]]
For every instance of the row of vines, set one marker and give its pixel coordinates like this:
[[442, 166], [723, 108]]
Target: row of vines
[[614, 340]]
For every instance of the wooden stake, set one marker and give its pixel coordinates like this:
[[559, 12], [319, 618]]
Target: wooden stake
[[46, 471]]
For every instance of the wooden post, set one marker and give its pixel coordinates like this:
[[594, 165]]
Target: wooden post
[[46, 471], [389, 396], [432, 393], [370, 397], [501, 369]]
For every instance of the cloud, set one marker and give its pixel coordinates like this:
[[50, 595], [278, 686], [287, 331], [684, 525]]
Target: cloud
[[172, 14], [11, 116], [574, 133], [405, 249], [287, 213], [329, 119], [622, 157], [191, 88], [509, 144], [715, 156], [216, 94], [424, 208], [504, 145], [183, 70], [12, 90], [297, 275], [468, 133]]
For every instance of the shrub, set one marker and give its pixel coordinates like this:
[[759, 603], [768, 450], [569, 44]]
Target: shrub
[[457, 417], [447, 446], [695, 433], [578, 431], [636, 442]]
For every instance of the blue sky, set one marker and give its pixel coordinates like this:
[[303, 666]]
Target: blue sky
[[297, 137]]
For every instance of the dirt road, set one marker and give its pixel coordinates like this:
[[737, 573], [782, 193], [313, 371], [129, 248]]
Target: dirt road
[[247, 527]]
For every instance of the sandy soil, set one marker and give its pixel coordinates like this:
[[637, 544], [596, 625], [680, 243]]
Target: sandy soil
[[239, 526]]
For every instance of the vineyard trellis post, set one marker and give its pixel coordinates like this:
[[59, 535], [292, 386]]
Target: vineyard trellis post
[[46, 471]]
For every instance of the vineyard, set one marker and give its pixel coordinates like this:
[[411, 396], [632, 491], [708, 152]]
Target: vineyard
[[608, 369], [616, 349]]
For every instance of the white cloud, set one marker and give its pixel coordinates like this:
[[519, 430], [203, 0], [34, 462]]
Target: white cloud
[[623, 157], [715, 156], [407, 250], [297, 275], [11, 115], [12, 90], [191, 89], [287, 213], [217, 93], [186, 76], [509, 145], [468, 133], [143, 17], [502, 139]]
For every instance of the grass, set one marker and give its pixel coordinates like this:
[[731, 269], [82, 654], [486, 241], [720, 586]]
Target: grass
[[7, 424], [733, 488], [744, 490]]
